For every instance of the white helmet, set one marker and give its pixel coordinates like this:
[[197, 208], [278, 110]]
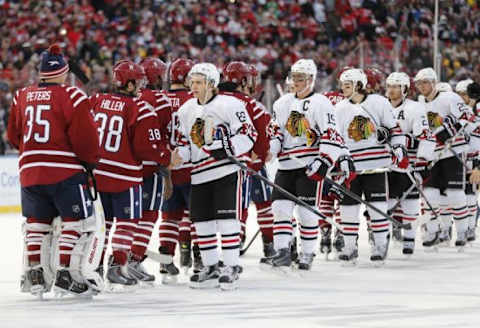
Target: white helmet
[[426, 74], [401, 79], [463, 85], [443, 86], [305, 66], [210, 71], [354, 75]]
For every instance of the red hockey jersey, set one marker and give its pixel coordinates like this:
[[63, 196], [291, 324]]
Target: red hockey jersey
[[180, 175], [161, 106], [53, 129], [261, 120], [334, 96], [129, 133]]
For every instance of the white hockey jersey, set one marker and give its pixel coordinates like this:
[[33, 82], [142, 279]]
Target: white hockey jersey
[[221, 109], [412, 119], [358, 124], [321, 117], [447, 103]]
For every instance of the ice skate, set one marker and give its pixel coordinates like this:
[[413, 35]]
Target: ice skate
[[206, 278], [197, 260], [305, 261], [349, 256], [33, 281], [461, 241], [185, 256], [119, 279], [397, 237], [471, 235], [338, 241], [228, 278], [64, 285], [293, 250], [445, 237], [430, 241], [137, 270], [379, 255], [169, 273], [326, 241], [408, 247], [268, 250]]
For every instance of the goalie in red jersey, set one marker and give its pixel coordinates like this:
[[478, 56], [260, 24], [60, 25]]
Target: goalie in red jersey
[[51, 125]]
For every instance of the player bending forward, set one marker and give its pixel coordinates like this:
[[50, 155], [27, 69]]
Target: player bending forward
[[51, 125], [215, 127]]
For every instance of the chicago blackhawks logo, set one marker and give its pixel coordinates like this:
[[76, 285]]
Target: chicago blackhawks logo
[[197, 132], [297, 124], [434, 120], [360, 128]]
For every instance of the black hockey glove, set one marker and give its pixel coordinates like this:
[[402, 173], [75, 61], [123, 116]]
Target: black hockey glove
[[383, 135], [450, 128], [221, 147]]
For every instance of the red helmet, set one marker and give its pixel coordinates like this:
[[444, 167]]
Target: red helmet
[[126, 70], [155, 70], [236, 72], [179, 70], [375, 77]]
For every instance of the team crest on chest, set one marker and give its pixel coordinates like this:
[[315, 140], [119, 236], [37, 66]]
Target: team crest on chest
[[361, 128], [434, 120]]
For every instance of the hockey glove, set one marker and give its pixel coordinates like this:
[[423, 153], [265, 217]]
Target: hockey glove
[[347, 168], [318, 169], [335, 193], [400, 156], [450, 128], [383, 135], [221, 147]]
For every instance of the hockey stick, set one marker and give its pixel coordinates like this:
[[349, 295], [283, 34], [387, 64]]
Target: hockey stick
[[360, 200], [244, 250], [284, 192]]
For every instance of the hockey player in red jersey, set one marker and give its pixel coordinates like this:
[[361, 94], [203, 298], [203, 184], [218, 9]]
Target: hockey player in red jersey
[[238, 82], [51, 125], [175, 226], [153, 183], [129, 133]]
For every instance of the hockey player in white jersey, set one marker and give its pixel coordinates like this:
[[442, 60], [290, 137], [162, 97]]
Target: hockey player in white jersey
[[471, 190], [448, 117], [215, 127], [367, 123], [308, 132], [411, 117]]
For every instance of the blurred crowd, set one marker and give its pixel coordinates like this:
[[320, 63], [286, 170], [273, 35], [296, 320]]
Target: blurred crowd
[[389, 35]]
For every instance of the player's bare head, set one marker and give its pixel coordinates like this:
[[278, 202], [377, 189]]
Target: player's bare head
[[398, 85], [425, 81], [127, 76], [53, 68], [303, 74], [353, 81], [203, 80]]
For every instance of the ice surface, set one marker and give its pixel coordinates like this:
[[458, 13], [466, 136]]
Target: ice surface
[[428, 290]]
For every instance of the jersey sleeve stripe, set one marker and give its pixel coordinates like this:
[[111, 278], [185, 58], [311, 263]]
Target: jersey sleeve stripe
[[76, 92], [145, 116], [79, 100]]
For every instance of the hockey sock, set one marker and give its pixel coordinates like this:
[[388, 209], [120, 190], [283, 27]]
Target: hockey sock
[[207, 241], [282, 223], [379, 224], [168, 235], [122, 239], [350, 225], [410, 209], [243, 223], [143, 234], [67, 241], [184, 228], [472, 211], [327, 209], [461, 217], [265, 220], [230, 234], [35, 231], [193, 234], [308, 230]]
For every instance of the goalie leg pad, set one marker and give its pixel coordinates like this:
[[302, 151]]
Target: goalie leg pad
[[86, 254]]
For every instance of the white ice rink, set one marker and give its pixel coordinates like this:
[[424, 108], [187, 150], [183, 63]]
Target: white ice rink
[[428, 290]]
